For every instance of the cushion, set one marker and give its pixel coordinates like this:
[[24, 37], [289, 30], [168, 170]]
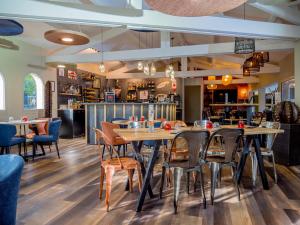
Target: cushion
[[43, 138], [17, 140]]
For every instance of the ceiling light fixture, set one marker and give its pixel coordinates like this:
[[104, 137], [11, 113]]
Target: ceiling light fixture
[[102, 66], [211, 86], [66, 37], [226, 79]]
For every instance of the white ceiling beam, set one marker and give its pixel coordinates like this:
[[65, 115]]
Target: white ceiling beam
[[178, 51], [165, 39], [147, 19], [184, 74], [137, 4], [284, 12], [107, 35], [244, 80]]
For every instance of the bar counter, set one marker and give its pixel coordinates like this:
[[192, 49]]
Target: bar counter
[[95, 113]]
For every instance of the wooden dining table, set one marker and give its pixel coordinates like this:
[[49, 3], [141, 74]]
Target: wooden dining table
[[137, 135]]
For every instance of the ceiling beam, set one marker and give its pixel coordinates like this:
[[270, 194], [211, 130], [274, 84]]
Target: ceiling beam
[[142, 19], [107, 35], [162, 53], [185, 74], [289, 14]]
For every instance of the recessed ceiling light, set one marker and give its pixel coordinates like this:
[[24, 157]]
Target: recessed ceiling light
[[67, 39], [61, 66]]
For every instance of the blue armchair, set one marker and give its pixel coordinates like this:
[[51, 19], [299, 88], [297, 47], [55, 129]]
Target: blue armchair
[[10, 174], [51, 138], [8, 138]]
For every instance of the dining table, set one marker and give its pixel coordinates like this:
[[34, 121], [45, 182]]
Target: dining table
[[137, 135]]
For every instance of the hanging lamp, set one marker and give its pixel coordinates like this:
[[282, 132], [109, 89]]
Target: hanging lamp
[[226, 79], [212, 86], [252, 64], [102, 66], [140, 65]]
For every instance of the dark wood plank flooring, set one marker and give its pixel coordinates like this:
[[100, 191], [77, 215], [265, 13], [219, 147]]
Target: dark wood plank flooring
[[65, 191]]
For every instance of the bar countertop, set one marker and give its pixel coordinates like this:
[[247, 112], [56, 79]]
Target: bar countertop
[[131, 103]]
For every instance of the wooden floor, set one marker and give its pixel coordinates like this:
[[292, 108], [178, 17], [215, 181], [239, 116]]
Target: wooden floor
[[65, 191]]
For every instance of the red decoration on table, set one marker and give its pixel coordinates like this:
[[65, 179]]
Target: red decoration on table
[[168, 126], [142, 118], [209, 125], [24, 118], [241, 124]]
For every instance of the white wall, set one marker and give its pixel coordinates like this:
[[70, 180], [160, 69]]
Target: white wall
[[14, 67]]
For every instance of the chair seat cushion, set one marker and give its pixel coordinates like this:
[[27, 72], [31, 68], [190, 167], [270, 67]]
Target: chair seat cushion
[[120, 141], [128, 163], [17, 140], [43, 138]]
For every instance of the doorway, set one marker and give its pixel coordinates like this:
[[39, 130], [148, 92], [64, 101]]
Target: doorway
[[192, 103]]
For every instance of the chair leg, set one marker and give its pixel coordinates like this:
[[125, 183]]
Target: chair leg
[[219, 178], [25, 150], [163, 174], [274, 168], [102, 175], [140, 178], [130, 176], [56, 146], [254, 167], [237, 185], [178, 172], [34, 147], [103, 151], [109, 172], [188, 182], [202, 187], [214, 167], [43, 150], [20, 148], [50, 148], [2, 151]]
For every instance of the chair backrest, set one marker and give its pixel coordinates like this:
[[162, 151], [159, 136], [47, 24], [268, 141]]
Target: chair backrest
[[270, 137], [7, 132], [108, 130], [231, 139], [54, 127], [10, 173], [196, 142]]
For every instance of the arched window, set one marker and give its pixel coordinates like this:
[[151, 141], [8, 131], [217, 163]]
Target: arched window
[[2, 93], [33, 92]]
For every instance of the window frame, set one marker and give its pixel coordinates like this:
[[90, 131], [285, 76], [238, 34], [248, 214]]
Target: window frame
[[2, 83]]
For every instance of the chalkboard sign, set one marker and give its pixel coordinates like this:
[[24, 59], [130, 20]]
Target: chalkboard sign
[[244, 46]]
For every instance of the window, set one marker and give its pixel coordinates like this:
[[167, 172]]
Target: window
[[33, 92], [2, 93]]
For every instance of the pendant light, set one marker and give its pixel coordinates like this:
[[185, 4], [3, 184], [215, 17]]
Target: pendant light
[[147, 69], [152, 68], [252, 64], [170, 68], [226, 79], [261, 57], [212, 86], [140, 65], [102, 66]]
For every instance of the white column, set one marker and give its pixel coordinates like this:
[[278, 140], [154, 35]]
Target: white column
[[261, 99], [297, 73]]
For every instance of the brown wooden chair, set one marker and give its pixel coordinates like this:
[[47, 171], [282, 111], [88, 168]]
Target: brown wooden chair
[[112, 165], [114, 138]]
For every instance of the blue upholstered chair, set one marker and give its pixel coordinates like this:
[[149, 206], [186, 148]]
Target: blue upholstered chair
[[51, 138], [8, 138], [10, 173]]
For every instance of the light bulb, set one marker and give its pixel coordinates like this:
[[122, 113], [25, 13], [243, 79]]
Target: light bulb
[[102, 68], [146, 69], [140, 66], [171, 67], [153, 69]]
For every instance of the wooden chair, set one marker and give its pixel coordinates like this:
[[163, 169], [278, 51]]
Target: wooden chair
[[112, 165], [114, 138]]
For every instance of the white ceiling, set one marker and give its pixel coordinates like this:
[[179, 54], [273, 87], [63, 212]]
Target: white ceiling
[[129, 40]]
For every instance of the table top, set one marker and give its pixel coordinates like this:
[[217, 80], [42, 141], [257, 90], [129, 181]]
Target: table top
[[141, 134], [20, 122], [235, 119], [127, 122]]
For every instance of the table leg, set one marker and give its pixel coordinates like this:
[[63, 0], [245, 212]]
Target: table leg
[[245, 153], [260, 163], [147, 177]]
